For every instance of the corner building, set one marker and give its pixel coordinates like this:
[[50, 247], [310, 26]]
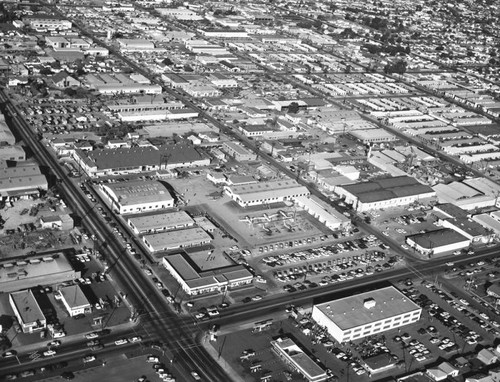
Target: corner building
[[361, 315]]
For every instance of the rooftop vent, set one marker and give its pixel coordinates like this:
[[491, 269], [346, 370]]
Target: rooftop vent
[[369, 303]]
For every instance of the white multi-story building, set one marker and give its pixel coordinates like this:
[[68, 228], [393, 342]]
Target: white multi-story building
[[364, 314]]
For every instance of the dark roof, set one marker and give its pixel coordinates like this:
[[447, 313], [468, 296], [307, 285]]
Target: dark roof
[[437, 238], [130, 157], [379, 361], [314, 102], [489, 130], [451, 210], [386, 188]]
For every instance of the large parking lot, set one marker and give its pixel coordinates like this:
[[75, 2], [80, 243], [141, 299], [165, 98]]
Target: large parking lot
[[443, 332]]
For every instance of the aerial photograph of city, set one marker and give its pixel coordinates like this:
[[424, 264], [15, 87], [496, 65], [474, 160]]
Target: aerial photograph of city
[[250, 190]]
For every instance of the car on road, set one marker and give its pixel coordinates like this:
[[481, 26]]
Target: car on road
[[91, 336], [121, 341], [97, 347], [53, 344], [49, 353], [257, 297], [9, 353], [147, 271], [135, 339], [152, 359], [93, 343], [88, 358], [196, 376]]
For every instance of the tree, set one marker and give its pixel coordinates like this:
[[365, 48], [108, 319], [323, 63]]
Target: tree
[[293, 108]]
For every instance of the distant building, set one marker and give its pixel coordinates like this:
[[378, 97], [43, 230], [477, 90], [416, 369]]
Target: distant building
[[135, 45], [294, 357], [438, 241], [364, 314], [27, 311], [12, 153], [28, 272], [184, 238], [383, 193], [442, 371], [74, 300], [21, 182], [47, 22], [194, 281], [238, 151], [266, 192], [373, 136], [133, 160], [61, 222], [378, 363], [168, 221], [137, 196]]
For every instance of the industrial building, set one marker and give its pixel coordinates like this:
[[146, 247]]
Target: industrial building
[[361, 315], [266, 192], [21, 182], [373, 136], [167, 221], [238, 152], [183, 238], [27, 311], [74, 300], [438, 241], [138, 159], [329, 216], [194, 281], [293, 356], [137, 196], [384, 193], [21, 273]]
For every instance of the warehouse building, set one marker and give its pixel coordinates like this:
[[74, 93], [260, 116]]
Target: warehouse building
[[238, 151], [364, 314], [194, 281], [438, 241], [266, 192], [368, 136], [329, 216], [138, 159], [293, 356], [385, 193], [183, 238], [27, 311], [22, 273], [74, 300], [168, 221], [137, 196], [21, 182]]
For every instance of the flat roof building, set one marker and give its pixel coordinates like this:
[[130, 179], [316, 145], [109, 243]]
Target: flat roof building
[[27, 311], [183, 238], [373, 135], [298, 360], [438, 241], [194, 281], [383, 193], [22, 272], [167, 221], [137, 159], [21, 181], [364, 314], [137, 196], [266, 192]]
